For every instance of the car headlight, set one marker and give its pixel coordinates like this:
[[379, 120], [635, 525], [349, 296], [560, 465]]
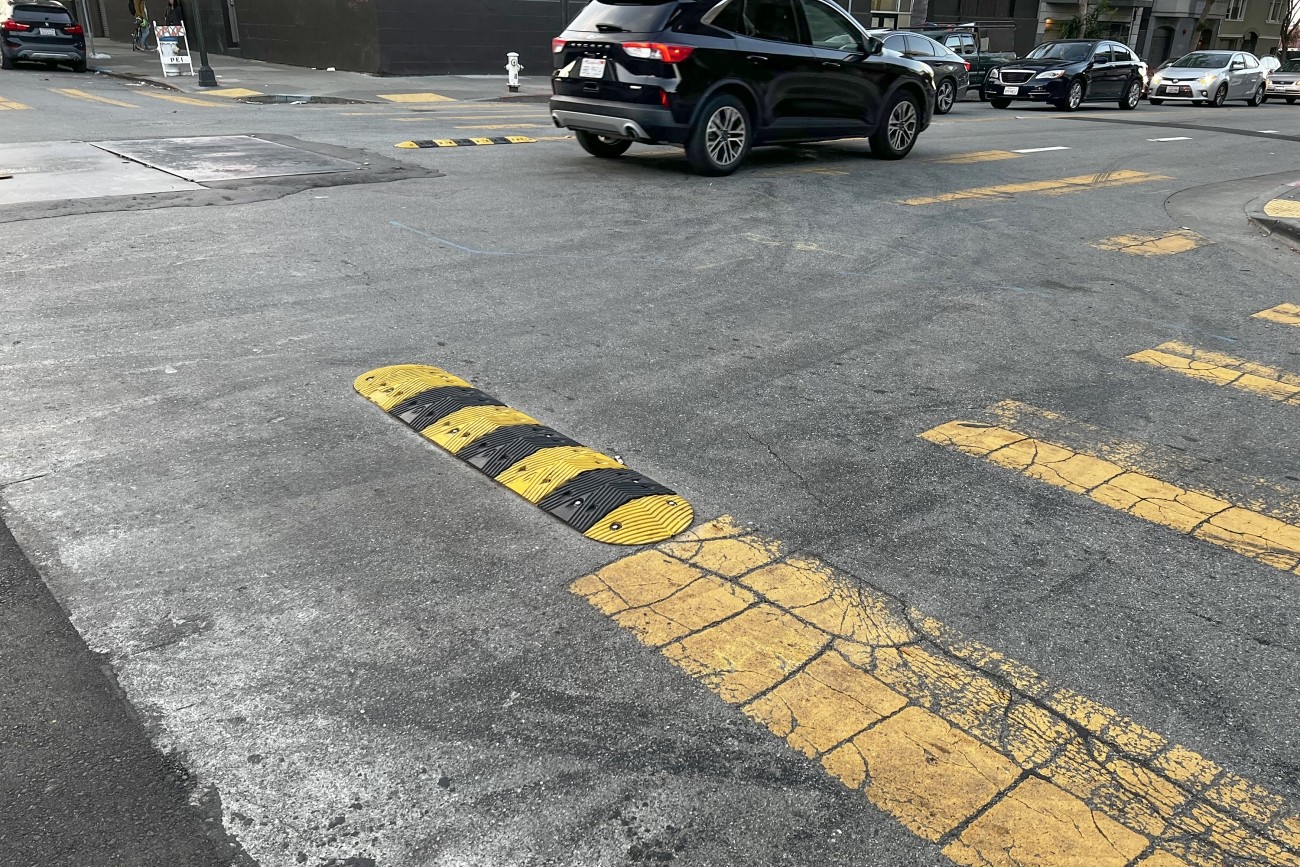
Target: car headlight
[[1051, 73], [1157, 79], [928, 72], [1206, 79], [995, 75]]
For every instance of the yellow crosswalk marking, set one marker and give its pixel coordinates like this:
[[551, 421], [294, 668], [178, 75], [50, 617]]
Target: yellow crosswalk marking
[[1285, 314], [10, 105], [1238, 528], [959, 743], [185, 100], [1219, 369], [1076, 184], [1179, 241], [233, 92], [1284, 208], [415, 97], [977, 157], [73, 93]]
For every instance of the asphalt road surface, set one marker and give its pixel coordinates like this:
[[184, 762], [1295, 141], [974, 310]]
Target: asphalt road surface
[[1008, 459]]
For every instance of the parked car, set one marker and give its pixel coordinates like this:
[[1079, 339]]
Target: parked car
[[951, 73], [964, 40], [720, 78], [1210, 77], [42, 31], [1069, 72], [1284, 83]]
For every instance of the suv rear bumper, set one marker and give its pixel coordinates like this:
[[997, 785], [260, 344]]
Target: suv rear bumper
[[641, 123]]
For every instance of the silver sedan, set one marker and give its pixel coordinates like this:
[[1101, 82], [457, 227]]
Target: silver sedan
[[1284, 83], [1210, 77]]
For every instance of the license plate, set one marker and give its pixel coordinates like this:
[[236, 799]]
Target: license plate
[[1169, 89], [592, 67], [1010, 91], [44, 31]]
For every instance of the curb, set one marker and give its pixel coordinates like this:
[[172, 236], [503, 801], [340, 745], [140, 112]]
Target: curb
[[1289, 228], [142, 79]]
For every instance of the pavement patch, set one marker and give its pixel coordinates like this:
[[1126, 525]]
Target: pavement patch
[[226, 157], [1179, 241], [593, 493], [1219, 369], [415, 97], [1213, 519], [1077, 184], [959, 743], [1285, 314], [465, 142]]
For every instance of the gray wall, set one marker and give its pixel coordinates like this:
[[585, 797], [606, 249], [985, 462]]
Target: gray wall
[[320, 33], [434, 37]]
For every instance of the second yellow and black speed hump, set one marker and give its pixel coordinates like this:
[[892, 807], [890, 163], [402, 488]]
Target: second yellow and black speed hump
[[591, 492]]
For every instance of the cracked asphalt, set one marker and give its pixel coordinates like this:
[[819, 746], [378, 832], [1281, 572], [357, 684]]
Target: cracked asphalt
[[335, 644]]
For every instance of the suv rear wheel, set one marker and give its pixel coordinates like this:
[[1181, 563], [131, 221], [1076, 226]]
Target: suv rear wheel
[[721, 136], [606, 146], [895, 137]]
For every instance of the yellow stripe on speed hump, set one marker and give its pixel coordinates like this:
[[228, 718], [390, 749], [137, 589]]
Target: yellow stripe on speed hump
[[466, 142], [593, 493], [962, 745]]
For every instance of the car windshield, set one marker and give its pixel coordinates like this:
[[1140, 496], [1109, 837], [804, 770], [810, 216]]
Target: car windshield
[[1290, 66], [1071, 51], [1201, 60]]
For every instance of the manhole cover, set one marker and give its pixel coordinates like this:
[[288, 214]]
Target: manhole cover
[[225, 157]]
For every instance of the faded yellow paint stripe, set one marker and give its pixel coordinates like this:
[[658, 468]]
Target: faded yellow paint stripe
[[415, 97], [185, 100], [508, 126], [977, 157], [1285, 314], [1179, 241], [959, 743], [1076, 184], [1219, 369], [1283, 208], [1238, 528], [10, 105], [233, 92], [74, 93]]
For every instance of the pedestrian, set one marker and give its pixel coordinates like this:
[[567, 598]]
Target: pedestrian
[[175, 13]]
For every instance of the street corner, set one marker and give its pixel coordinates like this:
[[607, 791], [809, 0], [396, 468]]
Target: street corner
[[1278, 212]]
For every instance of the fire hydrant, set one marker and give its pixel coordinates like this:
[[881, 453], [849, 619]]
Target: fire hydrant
[[512, 71]]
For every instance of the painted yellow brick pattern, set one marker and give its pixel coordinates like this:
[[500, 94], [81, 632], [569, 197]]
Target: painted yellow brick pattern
[[1216, 368], [962, 745], [1179, 241], [1242, 530], [1283, 314]]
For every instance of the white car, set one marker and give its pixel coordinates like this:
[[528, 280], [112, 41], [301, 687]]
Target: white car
[[1284, 83], [1210, 78]]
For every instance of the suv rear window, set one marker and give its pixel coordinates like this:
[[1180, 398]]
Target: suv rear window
[[42, 13], [646, 16]]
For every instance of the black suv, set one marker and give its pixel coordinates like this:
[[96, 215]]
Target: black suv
[[1070, 72], [42, 32], [721, 77]]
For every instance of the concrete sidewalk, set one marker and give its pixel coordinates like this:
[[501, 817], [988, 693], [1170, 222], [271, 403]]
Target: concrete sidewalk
[[276, 80], [1278, 211]]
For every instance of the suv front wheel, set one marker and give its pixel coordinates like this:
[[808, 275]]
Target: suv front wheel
[[598, 145], [720, 138], [896, 135]]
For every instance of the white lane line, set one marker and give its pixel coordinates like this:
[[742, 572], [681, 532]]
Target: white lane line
[[1040, 150], [1273, 131], [1172, 138]]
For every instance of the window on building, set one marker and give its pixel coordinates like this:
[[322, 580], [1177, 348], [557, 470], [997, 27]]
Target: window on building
[[1236, 10], [1275, 11]]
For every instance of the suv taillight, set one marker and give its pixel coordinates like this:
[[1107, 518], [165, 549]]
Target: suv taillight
[[658, 51], [74, 30], [557, 45], [12, 25]]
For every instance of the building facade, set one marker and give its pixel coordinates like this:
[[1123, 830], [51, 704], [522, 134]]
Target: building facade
[[430, 37]]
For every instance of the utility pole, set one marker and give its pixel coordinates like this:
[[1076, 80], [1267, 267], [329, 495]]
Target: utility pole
[[207, 78]]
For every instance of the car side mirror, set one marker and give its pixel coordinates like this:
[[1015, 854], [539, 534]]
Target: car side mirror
[[1238, 66], [874, 46]]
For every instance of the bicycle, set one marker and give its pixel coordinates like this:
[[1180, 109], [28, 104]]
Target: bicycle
[[144, 37]]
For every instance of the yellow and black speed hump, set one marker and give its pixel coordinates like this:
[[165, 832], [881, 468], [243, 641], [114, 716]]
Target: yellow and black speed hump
[[591, 492]]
